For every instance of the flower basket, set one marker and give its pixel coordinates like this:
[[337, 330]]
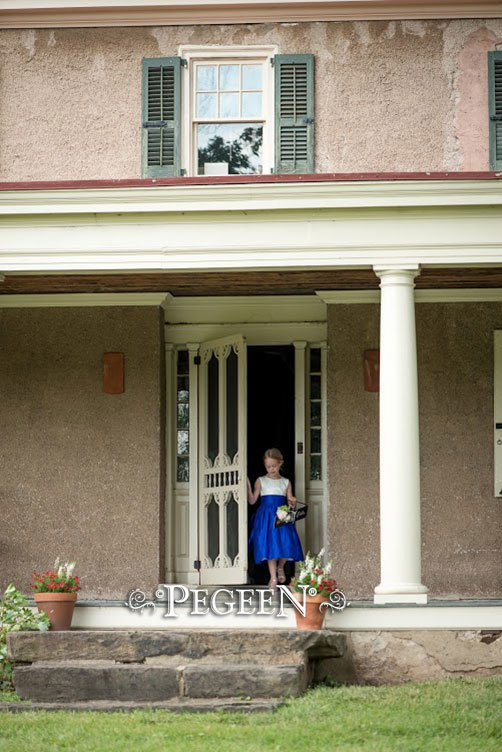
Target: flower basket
[[286, 515]]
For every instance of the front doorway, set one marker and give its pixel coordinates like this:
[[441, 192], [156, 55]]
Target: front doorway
[[271, 423], [234, 390]]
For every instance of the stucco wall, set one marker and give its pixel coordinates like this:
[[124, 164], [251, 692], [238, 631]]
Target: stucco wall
[[81, 471], [461, 519], [403, 96]]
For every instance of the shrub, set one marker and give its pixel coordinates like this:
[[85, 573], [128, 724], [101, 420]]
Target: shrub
[[14, 617]]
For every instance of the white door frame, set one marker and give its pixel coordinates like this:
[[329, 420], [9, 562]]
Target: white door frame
[[299, 321]]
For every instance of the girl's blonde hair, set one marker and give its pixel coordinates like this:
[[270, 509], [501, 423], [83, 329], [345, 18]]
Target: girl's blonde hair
[[273, 454]]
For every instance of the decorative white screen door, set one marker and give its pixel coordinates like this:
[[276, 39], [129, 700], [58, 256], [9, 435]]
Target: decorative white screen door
[[222, 456]]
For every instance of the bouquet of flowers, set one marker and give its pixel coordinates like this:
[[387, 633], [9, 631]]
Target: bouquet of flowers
[[59, 580], [316, 576], [285, 514]]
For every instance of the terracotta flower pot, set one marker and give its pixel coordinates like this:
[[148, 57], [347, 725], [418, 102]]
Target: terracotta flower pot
[[314, 614], [58, 607]]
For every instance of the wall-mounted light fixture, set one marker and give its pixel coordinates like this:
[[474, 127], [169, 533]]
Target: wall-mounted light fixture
[[113, 373], [371, 363]]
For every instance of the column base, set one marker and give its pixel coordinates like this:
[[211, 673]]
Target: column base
[[401, 592], [419, 598]]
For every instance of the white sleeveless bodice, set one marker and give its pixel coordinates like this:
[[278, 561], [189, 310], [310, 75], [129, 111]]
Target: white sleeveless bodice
[[273, 486]]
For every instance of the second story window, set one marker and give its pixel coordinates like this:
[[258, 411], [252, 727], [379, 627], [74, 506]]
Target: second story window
[[228, 111], [229, 122]]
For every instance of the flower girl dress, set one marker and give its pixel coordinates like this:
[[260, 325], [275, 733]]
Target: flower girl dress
[[271, 542]]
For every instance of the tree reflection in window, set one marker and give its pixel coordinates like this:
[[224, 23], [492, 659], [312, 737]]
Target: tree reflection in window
[[237, 144]]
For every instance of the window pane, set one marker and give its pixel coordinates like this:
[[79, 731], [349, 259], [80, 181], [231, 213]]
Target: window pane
[[252, 77], [182, 361], [315, 387], [315, 359], [315, 467], [229, 77], [315, 413], [182, 442], [206, 105], [229, 105], [315, 440], [182, 389], [183, 415], [240, 145], [251, 104], [206, 77], [182, 475]]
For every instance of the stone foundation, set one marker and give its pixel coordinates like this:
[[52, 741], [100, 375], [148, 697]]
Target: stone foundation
[[414, 655]]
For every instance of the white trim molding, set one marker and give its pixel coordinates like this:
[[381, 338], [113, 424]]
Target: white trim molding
[[360, 616], [237, 197], [19, 14], [79, 300], [262, 55], [245, 309], [351, 297]]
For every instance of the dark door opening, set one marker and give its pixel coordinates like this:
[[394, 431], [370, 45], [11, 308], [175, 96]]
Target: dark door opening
[[271, 423]]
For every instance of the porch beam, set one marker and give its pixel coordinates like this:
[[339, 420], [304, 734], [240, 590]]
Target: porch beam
[[400, 538]]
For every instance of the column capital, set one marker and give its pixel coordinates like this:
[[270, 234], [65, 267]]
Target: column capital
[[403, 274]]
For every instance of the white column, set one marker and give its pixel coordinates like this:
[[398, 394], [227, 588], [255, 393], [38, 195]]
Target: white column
[[400, 538]]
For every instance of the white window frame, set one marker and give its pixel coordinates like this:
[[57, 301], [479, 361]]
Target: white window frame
[[194, 54]]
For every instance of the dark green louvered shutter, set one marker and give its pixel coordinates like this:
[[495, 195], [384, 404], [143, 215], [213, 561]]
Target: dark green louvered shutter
[[495, 99], [294, 113], [161, 116]]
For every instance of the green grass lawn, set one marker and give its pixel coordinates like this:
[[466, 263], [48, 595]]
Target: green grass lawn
[[450, 716]]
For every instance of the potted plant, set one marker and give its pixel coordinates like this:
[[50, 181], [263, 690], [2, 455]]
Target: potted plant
[[55, 593], [316, 588]]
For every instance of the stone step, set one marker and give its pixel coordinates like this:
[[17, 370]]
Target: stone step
[[260, 646], [82, 681], [177, 705]]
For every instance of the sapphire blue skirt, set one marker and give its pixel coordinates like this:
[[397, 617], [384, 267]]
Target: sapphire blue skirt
[[271, 542]]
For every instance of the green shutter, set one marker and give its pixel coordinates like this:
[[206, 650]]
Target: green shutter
[[294, 113], [495, 101], [161, 116]]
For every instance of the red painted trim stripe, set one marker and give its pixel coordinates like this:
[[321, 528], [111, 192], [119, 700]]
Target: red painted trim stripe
[[335, 177]]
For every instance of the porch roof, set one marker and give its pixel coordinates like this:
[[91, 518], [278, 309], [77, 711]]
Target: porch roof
[[295, 233]]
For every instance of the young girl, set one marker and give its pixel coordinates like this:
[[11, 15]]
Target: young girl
[[275, 544]]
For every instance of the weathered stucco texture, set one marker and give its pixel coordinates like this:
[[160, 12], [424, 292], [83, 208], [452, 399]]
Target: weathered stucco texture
[[81, 471], [390, 96], [353, 520], [461, 519]]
